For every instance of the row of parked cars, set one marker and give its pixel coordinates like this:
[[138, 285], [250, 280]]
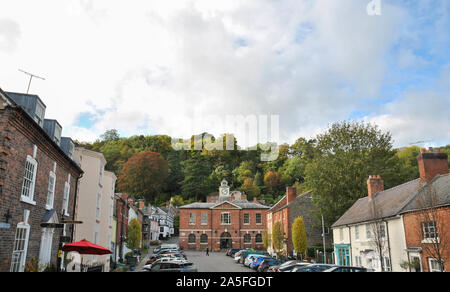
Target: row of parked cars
[[168, 258], [263, 262]]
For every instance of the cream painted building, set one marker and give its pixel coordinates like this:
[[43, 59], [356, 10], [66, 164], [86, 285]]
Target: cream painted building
[[372, 224], [95, 204]]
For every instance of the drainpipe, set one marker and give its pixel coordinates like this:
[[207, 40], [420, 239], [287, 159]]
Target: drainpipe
[[350, 249], [75, 205], [389, 244]]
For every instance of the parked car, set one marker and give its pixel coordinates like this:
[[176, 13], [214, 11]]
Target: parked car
[[289, 266], [268, 263], [345, 269], [164, 259], [173, 266], [245, 253], [165, 246], [237, 257], [232, 251], [312, 268], [166, 251], [249, 259], [257, 261], [175, 255]]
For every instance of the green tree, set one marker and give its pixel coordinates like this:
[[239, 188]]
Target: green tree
[[110, 135], [134, 234], [299, 235], [196, 181], [348, 153]]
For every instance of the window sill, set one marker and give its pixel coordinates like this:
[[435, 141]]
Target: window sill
[[430, 240], [48, 208], [28, 201]]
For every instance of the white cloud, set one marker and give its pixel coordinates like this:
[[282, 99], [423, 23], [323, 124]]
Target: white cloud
[[156, 66]]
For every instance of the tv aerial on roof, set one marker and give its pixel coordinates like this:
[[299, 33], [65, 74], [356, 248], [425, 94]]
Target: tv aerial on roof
[[31, 78]]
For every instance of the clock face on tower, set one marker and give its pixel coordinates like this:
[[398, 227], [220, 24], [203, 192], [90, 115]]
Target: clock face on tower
[[224, 191]]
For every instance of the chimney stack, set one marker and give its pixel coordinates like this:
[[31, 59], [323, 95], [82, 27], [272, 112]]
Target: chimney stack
[[374, 185], [432, 163], [291, 194]]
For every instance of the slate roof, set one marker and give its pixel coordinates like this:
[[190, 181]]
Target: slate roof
[[273, 209], [388, 203], [395, 201], [442, 186]]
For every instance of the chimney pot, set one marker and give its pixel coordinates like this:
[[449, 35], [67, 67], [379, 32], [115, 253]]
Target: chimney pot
[[374, 185], [291, 194], [432, 164]]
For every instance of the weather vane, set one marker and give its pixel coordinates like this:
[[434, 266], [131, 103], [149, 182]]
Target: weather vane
[[31, 78]]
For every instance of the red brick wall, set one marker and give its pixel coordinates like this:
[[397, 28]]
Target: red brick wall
[[413, 233], [215, 228], [17, 136], [431, 164]]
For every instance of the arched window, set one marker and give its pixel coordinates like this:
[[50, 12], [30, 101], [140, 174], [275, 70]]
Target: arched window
[[258, 238], [204, 238], [247, 238], [191, 238]]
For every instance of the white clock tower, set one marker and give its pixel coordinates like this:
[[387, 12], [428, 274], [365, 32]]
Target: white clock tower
[[224, 189]]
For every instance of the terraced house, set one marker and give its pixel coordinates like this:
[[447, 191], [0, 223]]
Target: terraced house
[[38, 183], [225, 221], [404, 228]]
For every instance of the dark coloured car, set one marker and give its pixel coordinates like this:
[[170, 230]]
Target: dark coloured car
[[173, 267], [267, 263], [232, 251], [344, 269], [313, 268]]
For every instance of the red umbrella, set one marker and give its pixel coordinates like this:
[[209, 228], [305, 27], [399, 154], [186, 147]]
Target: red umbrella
[[86, 247]]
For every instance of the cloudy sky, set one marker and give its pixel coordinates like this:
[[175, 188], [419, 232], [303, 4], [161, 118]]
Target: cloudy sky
[[181, 67]]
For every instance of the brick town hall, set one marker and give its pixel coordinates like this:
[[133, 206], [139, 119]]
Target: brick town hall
[[224, 221]]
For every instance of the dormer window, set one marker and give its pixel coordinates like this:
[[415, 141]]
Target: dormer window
[[39, 114]]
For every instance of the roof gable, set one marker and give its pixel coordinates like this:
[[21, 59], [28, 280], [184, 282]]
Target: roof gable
[[225, 205]]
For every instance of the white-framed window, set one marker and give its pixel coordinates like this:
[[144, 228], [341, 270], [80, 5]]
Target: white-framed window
[[204, 218], [358, 261], [226, 218], [434, 265], [39, 114], [21, 238], [51, 190], [258, 218], [66, 198], [387, 264], [191, 218], [29, 180], [429, 230], [357, 232], [368, 232], [246, 218], [382, 230], [97, 209]]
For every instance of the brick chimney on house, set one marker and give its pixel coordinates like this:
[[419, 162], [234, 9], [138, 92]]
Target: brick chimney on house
[[374, 185], [291, 194], [431, 163]]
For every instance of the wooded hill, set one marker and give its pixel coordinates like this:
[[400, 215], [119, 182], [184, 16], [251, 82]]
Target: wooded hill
[[335, 165]]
